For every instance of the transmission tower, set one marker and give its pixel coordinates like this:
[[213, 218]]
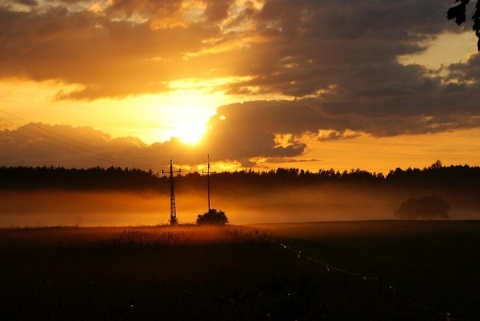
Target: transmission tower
[[173, 208], [208, 180]]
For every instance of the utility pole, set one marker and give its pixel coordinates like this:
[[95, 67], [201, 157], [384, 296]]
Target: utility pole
[[173, 208], [208, 180]]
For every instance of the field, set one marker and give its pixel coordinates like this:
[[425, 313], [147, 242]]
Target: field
[[419, 271]]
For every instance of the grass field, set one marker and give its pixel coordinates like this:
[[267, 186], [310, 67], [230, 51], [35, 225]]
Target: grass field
[[234, 273]]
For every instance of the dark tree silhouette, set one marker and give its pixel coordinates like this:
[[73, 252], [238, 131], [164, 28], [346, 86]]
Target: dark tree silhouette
[[436, 178], [459, 13], [95, 178], [438, 164], [212, 217], [428, 207]]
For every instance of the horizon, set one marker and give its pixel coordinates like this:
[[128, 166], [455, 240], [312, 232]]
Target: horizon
[[200, 169]]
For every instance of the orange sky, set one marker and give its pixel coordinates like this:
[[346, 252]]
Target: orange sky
[[255, 83]]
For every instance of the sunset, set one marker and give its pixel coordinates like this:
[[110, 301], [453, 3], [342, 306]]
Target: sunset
[[264, 84], [239, 160]]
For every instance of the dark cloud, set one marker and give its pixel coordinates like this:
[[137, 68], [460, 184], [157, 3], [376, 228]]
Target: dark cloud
[[217, 10], [467, 73], [334, 135], [346, 43], [131, 47], [30, 3], [255, 124]]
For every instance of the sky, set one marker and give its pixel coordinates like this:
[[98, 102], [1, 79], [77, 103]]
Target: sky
[[255, 84]]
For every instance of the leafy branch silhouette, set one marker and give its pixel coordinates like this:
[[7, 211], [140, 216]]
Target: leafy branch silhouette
[[459, 13]]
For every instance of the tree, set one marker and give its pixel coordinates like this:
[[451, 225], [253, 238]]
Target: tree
[[212, 217], [459, 13], [438, 164], [427, 207]]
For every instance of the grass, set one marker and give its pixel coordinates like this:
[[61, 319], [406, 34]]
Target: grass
[[232, 273]]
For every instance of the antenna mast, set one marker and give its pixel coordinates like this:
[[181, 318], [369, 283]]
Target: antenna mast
[[173, 208]]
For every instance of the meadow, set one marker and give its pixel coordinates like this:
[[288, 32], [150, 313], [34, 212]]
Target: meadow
[[187, 272]]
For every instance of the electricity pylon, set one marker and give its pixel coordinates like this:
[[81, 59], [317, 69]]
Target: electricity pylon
[[208, 180], [173, 208]]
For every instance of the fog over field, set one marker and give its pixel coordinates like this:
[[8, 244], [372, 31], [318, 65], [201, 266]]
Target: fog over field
[[116, 208]]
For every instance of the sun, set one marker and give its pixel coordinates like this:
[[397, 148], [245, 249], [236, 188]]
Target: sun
[[190, 132]]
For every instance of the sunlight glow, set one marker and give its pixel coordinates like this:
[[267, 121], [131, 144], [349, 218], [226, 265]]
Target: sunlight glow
[[227, 166], [222, 166], [181, 112], [190, 132]]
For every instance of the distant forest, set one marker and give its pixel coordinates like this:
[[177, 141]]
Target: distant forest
[[434, 178]]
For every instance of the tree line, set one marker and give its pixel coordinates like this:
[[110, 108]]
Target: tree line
[[435, 177], [96, 178]]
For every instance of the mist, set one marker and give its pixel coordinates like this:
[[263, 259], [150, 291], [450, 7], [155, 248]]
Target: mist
[[102, 208]]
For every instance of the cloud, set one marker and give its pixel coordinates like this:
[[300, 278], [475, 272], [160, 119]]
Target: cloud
[[335, 135], [105, 57], [467, 73], [147, 8], [131, 47], [38, 144], [217, 10], [313, 45], [337, 62], [255, 124]]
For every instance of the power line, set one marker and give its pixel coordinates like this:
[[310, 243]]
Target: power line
[[99, 157], [68, 138], [46, 143], [447, 316], [100, 154]]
